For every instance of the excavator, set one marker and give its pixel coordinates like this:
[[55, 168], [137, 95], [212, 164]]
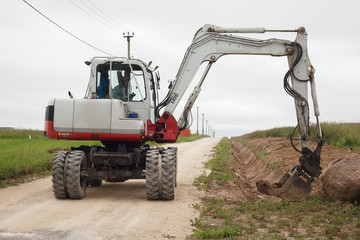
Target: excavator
[[121, 109]]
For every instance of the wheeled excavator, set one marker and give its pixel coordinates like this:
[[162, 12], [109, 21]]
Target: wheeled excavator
[[121, 109]]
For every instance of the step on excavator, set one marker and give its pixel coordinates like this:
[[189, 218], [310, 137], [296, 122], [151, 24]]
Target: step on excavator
[[121, 109]]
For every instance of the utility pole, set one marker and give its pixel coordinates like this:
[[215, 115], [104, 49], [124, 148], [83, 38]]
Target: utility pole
[[202, 124], [197, 120], [207, 128], [128, 36]]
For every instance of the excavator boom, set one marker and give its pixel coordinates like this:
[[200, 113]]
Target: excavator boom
[[208, 45]]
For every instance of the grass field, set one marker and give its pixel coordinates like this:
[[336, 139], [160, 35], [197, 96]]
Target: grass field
[[335, 134], [21, 157]]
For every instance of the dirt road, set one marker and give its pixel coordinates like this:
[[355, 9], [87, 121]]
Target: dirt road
[[112, 211]]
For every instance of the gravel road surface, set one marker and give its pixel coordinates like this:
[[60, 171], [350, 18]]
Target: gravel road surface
[[112, 211]]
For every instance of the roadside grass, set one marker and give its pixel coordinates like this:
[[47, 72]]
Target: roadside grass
[[218, 166], [311, 218], [336, 134], [22, 158], [180, 139], [190, 138]]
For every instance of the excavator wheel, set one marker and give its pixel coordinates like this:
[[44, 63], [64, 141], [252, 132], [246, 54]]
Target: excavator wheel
[[76, 183], [58, 186], [175, 149], [160, 174], [152, 174], [168, 173]]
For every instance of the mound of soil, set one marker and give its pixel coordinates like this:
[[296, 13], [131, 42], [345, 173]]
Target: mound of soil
[[278, 157]]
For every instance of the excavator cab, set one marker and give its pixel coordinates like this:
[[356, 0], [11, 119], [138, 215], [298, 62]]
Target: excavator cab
[[129, 80], [120, 81], [121, 97]]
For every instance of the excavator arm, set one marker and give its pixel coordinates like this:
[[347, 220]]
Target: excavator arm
[[209, 44]]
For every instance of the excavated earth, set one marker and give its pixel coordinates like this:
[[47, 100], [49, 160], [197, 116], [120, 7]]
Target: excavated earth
[[280, 156]]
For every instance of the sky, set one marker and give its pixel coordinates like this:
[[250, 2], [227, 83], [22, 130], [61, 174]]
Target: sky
[[39, 61]]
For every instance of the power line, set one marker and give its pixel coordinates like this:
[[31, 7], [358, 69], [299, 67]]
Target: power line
[[65, 29], [97, 19], [110, 22], [137, 45], [108, 16], [142, 49], [98, 14]]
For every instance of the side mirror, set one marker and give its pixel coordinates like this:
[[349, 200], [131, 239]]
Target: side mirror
[[70, 95]]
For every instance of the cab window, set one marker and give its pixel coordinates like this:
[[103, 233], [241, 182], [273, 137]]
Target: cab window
[[127, 83]]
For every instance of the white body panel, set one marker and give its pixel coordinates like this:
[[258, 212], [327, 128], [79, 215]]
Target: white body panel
[[95, 116], [92, 116], [63, 116]]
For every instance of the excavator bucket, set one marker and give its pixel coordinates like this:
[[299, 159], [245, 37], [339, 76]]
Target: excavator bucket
[[292, 186], [296, 183]]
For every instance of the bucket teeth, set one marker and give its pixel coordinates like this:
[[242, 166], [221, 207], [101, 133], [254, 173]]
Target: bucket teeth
[[296, 184], [292, 186]]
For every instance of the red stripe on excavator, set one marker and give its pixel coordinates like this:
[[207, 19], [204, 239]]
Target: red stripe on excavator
[[49, 130], [52, 134]]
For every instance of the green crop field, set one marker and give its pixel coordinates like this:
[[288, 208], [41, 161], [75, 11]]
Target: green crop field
[[335, 134], [21, 157]]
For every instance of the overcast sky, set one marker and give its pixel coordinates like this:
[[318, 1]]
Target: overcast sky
[[241, 94]]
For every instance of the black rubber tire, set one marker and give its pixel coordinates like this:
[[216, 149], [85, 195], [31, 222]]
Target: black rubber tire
[[175, 149], [152, 174], [168, 174], [75, 183], [58, 185], [95, 182]]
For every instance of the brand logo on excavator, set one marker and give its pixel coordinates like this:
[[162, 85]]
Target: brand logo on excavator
[[173, 100]]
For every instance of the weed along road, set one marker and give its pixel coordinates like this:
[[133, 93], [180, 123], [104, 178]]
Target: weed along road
[[112, 211]]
